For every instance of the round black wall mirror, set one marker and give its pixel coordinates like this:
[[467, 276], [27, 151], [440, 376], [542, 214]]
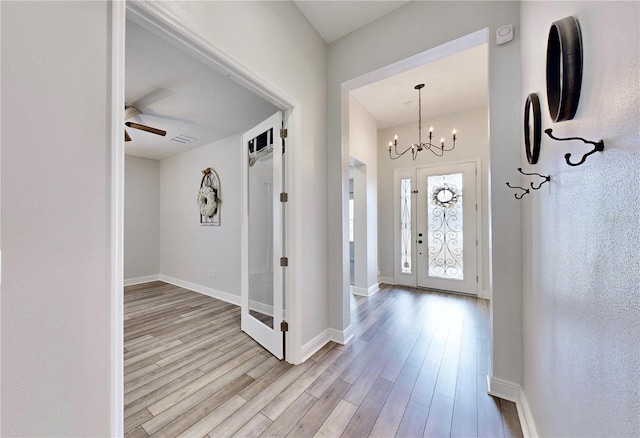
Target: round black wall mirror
[[532, 128], [564, 68]]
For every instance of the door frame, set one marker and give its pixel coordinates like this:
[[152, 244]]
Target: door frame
[[155, 19], [412, 280]]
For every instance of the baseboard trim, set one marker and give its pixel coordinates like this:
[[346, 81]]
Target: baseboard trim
[[141, 280], [387, 280], [358, 291], [507, 390], [361, 291], [337, 336], [315, 344], [341, 337], [224, 296]]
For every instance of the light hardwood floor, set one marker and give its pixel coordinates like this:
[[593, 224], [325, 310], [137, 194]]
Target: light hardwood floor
[[417, 366]]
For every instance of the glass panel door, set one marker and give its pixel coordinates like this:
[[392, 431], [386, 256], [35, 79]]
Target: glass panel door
[[262, 237], [446, 228]]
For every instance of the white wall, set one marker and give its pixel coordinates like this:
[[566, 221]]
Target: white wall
[[581, 232], [189, 250], [405, 32], [55, 219], [363, 140], [141, 218], [276, 42], [472, 143]]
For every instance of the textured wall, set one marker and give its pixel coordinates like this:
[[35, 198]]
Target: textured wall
[[581, 233], [141, 217]]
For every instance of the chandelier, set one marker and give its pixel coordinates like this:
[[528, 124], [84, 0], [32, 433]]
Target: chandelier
[[417, 147]]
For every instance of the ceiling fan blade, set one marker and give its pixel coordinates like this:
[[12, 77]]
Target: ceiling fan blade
[[146, 128], [130, 112], [126, 136]]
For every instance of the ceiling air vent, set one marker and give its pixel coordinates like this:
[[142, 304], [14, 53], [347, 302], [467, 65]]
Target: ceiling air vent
[[183, 138]]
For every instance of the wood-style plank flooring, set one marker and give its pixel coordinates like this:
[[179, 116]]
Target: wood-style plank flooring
[[416, 367]]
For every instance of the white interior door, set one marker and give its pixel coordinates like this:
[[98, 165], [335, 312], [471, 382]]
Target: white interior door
[[262, 235], [446, 229]]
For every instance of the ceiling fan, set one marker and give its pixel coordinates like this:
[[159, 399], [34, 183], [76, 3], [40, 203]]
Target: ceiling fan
[[129, 113]]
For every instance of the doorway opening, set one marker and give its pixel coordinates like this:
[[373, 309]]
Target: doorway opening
[[361, 228], [375, 93], [166, 28]]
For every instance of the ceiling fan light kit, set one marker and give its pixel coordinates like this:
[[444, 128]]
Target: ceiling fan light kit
[[417, 147]]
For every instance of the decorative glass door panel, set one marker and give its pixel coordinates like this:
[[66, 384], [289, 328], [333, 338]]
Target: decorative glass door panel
[[405, 225], [446, 228], [404, 219]]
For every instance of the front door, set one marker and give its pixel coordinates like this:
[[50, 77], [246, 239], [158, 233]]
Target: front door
[[262, 235], [446, 233]]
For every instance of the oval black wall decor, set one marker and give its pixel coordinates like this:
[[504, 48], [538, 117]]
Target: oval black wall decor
[[564, 68], [532, 128]]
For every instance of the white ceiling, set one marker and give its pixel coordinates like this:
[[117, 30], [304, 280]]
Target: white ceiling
[[335, 19], [453, 84], [182, 96]]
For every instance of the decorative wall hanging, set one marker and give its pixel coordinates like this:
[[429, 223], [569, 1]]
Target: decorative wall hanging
[[521, 195], [532, 128], [209, 198], [598, 147], [564, 68], [547, 178]]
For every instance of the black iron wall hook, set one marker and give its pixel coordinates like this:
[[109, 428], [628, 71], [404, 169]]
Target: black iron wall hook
[[525, 191], [547, 178], [599, 147]]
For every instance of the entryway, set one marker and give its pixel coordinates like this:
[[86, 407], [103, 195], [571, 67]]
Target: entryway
[[436, 223]]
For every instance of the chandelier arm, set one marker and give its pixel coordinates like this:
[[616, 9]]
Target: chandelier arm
[[399, 154]]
